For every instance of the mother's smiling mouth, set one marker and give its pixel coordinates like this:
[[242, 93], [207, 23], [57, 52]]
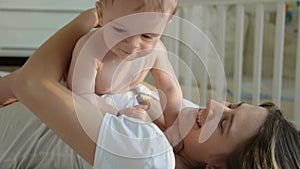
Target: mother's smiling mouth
[[198, 119]]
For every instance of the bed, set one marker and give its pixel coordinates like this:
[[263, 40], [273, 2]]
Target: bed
[[27, 143]]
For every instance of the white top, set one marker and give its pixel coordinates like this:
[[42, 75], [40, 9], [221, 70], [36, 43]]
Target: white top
[[129, 143]]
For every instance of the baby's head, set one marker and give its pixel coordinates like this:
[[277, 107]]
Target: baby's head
[[133, 26], [165, 6], [109, 10]]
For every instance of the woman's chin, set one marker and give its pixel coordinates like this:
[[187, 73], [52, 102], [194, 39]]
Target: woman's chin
[[187, 120]]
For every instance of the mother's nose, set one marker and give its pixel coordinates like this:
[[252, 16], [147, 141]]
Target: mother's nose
[[215, 108], [214, 104]]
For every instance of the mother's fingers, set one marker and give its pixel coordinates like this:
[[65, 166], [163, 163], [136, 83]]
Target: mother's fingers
[[138, 112], [141, 106]]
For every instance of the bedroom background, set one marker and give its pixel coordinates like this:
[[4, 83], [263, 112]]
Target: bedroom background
[[256, 41]]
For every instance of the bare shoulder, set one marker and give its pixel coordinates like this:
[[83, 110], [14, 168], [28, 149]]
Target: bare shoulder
[[84, 38], [160, 45], [80, 44], [161, 55], [160, 49]]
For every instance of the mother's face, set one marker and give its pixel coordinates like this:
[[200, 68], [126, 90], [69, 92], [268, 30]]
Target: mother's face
[[238, 123]]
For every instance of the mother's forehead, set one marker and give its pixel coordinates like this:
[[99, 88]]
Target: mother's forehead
[[254, 109], [249, 118]]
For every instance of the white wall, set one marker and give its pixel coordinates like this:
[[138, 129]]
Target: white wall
[[26, 24]]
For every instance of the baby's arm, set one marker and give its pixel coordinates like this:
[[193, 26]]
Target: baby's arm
[[168, 87]]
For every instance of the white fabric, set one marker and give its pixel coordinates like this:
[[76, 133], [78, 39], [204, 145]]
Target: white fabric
[[126, 142], [129, 143], [128, 99]]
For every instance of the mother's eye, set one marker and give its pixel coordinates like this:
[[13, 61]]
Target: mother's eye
[[233, 106], [229, 105], [222, 123]]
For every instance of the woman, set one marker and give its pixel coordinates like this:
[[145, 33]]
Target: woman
[[238, 137]]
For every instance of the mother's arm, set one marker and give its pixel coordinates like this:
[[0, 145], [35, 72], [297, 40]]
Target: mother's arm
[[60, 44], [37, 85]]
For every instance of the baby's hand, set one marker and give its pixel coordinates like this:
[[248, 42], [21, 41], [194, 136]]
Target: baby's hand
[[139, 112]]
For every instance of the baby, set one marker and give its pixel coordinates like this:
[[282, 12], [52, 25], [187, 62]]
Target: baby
[[116, 58]]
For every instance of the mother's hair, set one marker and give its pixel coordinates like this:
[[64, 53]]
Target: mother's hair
[[275, 146]]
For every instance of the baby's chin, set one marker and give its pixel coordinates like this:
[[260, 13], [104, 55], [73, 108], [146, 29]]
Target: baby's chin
[[136, 55], [131, 57]]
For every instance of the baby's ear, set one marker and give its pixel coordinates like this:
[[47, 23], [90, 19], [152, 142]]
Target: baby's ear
[[99, 12]]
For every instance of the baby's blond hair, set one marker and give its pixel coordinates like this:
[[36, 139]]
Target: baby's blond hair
[[161, 5]]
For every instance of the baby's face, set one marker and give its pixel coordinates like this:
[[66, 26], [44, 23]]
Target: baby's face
[[130, 31]]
